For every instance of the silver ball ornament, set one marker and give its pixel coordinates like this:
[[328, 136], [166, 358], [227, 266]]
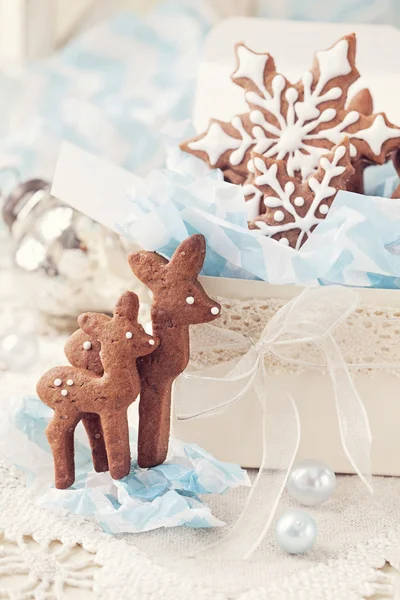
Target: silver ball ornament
[[74, 264], [296, 531], [311, 482]]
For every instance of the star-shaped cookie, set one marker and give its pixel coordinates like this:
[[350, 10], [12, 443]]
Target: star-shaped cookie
[[297, 123], [293, 208]]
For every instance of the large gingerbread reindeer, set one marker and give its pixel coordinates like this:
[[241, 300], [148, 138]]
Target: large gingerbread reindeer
[[178, 301], [101, 401]]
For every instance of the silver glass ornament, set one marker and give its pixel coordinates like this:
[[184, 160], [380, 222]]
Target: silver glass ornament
[[75, 264], [311, 482], [296, 531]]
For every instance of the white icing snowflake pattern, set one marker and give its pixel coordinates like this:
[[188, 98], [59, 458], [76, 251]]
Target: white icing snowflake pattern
[[295, 123], [294, 208]]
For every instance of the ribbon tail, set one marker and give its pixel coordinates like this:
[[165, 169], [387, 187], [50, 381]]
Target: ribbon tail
[[354, 426], [280, 440], [198, 394]]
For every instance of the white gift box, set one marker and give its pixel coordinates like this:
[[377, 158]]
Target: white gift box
[[232, 434]]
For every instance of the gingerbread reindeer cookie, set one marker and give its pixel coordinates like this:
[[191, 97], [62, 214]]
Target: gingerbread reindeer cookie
[[178, 301], [76, 394], [291, 208], [296, 123]]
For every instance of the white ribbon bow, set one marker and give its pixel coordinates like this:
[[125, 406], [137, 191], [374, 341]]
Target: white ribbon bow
[[311, 318]]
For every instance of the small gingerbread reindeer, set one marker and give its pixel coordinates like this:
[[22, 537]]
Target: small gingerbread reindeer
[[178, 301], [101, 401]]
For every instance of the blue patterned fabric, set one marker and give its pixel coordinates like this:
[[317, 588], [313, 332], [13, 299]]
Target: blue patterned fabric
[[342, 11], [109, 91]]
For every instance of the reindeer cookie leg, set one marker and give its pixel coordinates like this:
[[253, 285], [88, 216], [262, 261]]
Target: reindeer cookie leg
[[94, 430], [83, 351], [154, 423], [116, 437], [60, 435]]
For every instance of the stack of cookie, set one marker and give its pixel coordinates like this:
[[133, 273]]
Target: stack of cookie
[[299, 143]]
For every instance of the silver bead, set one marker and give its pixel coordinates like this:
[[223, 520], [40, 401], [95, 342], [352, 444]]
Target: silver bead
[[296, 531], [311, 482]]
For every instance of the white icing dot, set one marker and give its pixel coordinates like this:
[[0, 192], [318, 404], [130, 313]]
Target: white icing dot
[[64, 393], [190, 300], [215, 310], [151, 342], [291, 95], [324, 209], [70, 382], [57, 382], [129, 335], [87, 345], [299, 201], [279, 215], [284, 241]]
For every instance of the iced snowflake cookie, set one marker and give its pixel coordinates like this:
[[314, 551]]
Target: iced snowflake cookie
[[293, 208], [296, 123]]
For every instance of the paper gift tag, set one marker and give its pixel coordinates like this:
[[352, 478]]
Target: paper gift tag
[[93, 186], [293, 45]]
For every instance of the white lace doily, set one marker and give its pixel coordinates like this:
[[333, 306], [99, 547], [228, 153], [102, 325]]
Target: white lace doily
[[39, 545], [358, 534]]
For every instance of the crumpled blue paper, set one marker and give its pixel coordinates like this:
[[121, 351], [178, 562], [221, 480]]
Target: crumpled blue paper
[[381, 180], [355, 245], [165, 496]]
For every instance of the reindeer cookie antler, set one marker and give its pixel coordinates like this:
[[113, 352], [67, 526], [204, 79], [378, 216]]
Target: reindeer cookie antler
[[100, 400], [178, 301]]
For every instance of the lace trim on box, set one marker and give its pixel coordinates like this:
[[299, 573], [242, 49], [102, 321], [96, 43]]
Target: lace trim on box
[[370, 336]]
